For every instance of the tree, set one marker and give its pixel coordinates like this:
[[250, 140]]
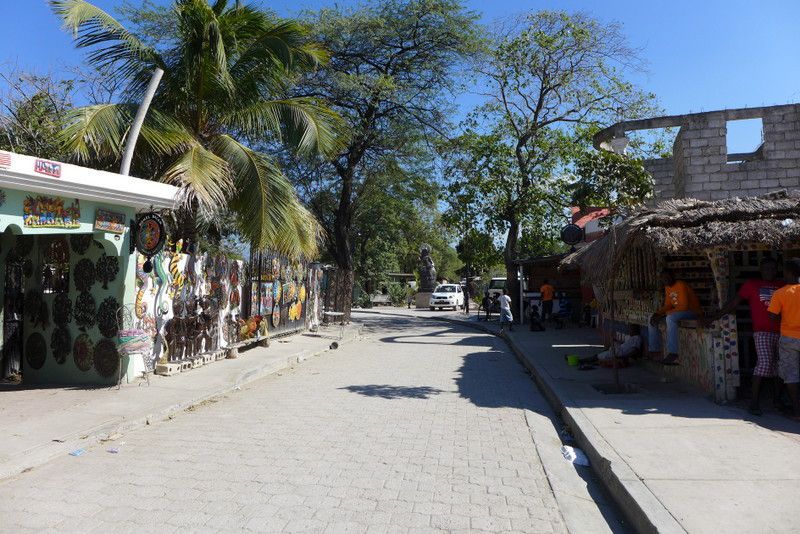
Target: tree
[[391, 67], [603, 178], [33, 110], [478, 251], [227, 73], [545, 80]]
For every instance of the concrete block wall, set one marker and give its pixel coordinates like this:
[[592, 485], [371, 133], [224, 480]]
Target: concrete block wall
[[699, 166]]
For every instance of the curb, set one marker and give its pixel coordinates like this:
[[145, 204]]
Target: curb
[[635, 500], [90, 437]]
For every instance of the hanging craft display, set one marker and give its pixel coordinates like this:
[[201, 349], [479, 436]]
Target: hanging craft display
[[277, 290], [80, 243], [61, 344], [27, 268], [62, 310], [149, 237], [36, 308], [302, 293], [50, 212], [85, 311], [24, 246], [276, 316], [291, 291], [84, 275], [35, 350], [106, 358], [106, 269], [107, 317], [83, 352]]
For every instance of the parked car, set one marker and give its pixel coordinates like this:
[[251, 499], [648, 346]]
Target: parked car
[[447, 296]]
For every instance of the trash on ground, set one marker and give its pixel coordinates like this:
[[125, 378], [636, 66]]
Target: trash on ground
[[114, 450], [574, 455], [237, 388], [77, 452]]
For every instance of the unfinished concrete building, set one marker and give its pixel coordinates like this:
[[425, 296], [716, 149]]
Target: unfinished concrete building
[[702, 167]]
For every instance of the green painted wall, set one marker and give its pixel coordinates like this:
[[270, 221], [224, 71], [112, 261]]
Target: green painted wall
[[122, 287]]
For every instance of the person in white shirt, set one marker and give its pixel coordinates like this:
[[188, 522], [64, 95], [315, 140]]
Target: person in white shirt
[[506, 317], [626, 349]]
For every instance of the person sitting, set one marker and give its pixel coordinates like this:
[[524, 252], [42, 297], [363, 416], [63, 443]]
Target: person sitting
[[624, 350], [680, 303], [534, 318]]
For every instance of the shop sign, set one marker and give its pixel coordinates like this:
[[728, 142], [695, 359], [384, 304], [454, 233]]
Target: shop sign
[[149, 237], [572, 234], [109, 221], [49, 212], [5, 160], [49, 168]]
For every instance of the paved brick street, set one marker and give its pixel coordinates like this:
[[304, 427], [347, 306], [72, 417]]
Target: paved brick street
[[418, 427]]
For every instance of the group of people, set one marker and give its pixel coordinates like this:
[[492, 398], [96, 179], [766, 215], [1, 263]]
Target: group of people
[[548, 293], [775, 311]]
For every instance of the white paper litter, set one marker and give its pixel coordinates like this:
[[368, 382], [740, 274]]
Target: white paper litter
[[574, 455]]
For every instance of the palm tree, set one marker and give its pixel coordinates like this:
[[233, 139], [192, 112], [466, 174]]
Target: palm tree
[[227, 71]]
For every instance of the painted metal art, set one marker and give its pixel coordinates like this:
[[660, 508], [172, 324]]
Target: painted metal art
[[61, 344], [106, 269], [140, 308], [84, 275], [50, 212], [149, 237], [106, 358], [62, 310], [35, 306], [80, 243], [83, 352], [85, 311], [35, 350], [107, 317], [109, 221]]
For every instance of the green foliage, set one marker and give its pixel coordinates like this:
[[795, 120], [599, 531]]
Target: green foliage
[[391, 69], [33, 110], [611, 180], [549, 80], [397, 294], [478, 251], [228, 68]]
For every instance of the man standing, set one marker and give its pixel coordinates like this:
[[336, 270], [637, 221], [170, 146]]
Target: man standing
[[506, 317], [766, 332], [785, 308], [548, 292], [680, 302]]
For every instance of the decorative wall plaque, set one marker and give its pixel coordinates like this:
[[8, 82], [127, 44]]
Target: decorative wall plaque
[[149, 237], [109, 221], [50, 212]]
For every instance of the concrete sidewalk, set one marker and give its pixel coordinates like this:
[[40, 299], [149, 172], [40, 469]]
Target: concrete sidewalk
[[673, 460], [38, 424]]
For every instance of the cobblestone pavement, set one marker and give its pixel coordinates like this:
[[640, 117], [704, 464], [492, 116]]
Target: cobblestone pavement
[[420, 427]]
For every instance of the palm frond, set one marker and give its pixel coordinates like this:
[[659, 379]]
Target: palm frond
[[96, 131], [304, 124], [268, 211], [93, 27], [203, 178]]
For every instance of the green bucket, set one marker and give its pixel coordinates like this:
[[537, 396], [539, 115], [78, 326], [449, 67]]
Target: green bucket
[[573, 360]]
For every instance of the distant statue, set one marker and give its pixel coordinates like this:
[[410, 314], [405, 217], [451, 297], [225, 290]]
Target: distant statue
[[427, 271]]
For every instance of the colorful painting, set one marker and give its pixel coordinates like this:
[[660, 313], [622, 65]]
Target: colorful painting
[[49, 212], [109, 221], [150, 234], [48, 168]]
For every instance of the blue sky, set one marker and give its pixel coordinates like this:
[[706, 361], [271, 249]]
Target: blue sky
[[701, 54]]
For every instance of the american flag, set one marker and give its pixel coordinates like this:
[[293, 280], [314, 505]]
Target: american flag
[[5, 159]]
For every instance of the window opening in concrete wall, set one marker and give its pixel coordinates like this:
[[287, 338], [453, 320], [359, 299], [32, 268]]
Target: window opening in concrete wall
[[744, 139]]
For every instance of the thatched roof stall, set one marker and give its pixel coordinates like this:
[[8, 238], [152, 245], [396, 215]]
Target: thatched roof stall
[[681, 225], [714, 246]]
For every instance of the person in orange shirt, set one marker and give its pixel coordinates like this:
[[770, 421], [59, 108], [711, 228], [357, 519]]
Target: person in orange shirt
[[785, 308], [680, 303], [548, 293]]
